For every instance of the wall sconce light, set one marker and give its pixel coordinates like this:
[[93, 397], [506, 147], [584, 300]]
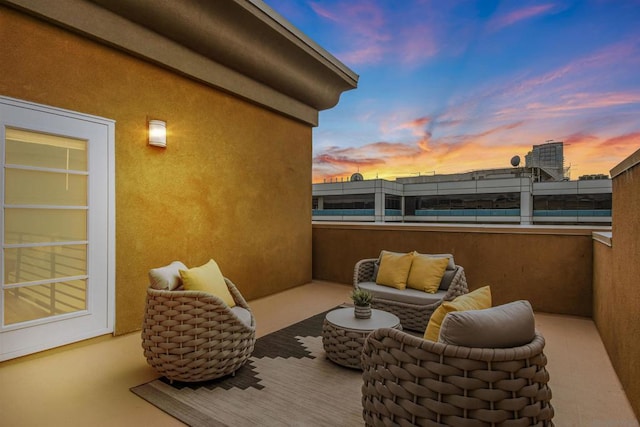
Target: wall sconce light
[[158, 133]]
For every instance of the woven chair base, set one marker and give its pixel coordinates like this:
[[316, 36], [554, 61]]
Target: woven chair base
[[411, 381], [193, 336]]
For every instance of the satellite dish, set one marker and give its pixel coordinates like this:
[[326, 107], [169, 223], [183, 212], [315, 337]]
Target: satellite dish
[[515, 161], [357, 177]]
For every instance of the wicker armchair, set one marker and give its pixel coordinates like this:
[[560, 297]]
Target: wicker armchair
[[413, 316], [193, 336], [411, 381]]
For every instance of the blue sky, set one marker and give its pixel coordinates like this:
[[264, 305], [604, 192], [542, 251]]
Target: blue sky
[[450, 86]]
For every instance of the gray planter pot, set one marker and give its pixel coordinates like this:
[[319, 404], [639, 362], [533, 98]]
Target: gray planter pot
[[362, 311]]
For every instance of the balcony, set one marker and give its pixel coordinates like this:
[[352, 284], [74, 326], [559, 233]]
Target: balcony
[[581, 281], [87, 383]]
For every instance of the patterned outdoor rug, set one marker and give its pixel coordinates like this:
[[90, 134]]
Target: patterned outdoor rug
[[287, 382]]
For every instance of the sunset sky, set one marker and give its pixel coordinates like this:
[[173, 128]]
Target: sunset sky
[[451, 86]]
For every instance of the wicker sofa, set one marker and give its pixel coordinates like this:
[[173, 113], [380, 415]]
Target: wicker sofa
[[408, 380], [413, 307], [194, 336]]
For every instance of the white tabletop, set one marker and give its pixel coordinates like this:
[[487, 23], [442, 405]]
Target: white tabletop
[[345, 318]]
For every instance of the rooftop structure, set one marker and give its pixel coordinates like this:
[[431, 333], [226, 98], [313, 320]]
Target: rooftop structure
[[550, 158]]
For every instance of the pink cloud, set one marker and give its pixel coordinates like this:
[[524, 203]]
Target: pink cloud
[[580, 138], [389, 160], [369, 36], [516, 16], [416, 44], [416, 126], [579, 74], [622, 142], [578, 102]]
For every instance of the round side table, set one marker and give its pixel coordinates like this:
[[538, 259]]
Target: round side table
[[343, 334]]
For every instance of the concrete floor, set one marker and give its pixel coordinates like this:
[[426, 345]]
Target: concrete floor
[[88, 383]]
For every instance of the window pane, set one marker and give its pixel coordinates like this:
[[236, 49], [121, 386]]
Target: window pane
[[392, 202], [40, 301], [24, 187], [44, 225], [43, 263], [354, 201], [29, 148]]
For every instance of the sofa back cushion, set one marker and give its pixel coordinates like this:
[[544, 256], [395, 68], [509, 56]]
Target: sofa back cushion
[[450, 266], [503, 326], [447, 278]]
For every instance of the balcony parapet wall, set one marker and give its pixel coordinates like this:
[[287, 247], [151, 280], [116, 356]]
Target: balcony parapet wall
[[552, 267], [615, 288]]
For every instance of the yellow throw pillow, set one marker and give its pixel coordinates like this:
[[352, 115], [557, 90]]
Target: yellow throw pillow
[[476, 300], [207, 278], [426, 273], [394, 269]]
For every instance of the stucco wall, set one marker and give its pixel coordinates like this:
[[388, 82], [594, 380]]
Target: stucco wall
[[233, 184], [616, 296], [551, 270]]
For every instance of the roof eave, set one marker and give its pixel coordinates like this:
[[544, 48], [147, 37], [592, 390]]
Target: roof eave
[[240, 46]]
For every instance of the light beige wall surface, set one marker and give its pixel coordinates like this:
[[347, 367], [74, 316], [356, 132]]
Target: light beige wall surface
[[616, 309], [551, 270], [233, 184]]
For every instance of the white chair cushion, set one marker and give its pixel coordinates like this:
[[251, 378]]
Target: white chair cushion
[[167, 277], [243, 314]]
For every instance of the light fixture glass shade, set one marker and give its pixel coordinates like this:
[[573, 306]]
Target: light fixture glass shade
[[157, 133]]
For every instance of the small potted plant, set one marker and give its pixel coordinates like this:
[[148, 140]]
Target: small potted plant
[[362, 301]]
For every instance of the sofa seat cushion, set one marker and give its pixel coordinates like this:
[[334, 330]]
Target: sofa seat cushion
[[243, 314], [408, 296]]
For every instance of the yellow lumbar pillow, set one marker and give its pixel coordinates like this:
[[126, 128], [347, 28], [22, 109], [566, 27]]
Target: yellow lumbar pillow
[[426, 273], [394, 269], [476, 300], [207, 278]]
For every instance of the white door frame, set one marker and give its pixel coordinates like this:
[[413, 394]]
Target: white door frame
[[45, 335]]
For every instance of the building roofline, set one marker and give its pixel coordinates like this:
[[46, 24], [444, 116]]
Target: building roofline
[[628, 163], [240, 46]]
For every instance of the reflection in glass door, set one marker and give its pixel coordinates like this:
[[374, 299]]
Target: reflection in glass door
[[45, 226]]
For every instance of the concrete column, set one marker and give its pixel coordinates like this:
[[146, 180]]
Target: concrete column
[[379, 201], [526, 201]]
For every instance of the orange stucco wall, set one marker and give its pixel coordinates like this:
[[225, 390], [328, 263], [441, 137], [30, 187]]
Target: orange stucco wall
[[616, 309], [233, 184], [551, 270]]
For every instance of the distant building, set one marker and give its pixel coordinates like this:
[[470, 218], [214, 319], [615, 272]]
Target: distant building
[[593, 176], [519, 195]]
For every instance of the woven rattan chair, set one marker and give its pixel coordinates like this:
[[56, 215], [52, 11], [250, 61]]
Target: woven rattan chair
[[411, 381], [194, 336], [413, 316]]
